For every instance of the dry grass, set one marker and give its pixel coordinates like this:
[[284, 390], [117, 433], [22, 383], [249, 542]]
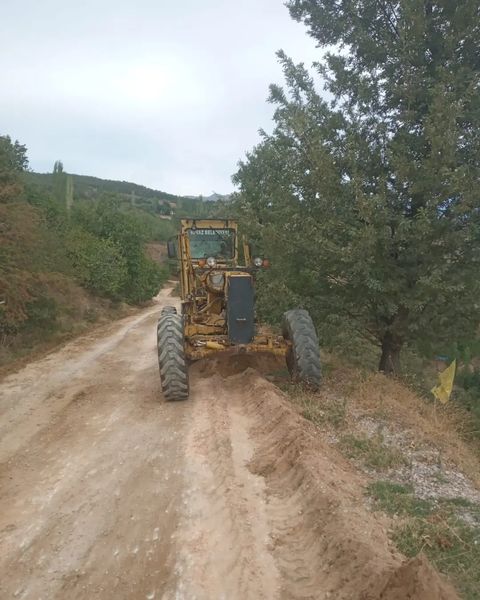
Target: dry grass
[[451, 543], [373, 394], [322, 408], [393, 432], [65, 311], [372, 452]]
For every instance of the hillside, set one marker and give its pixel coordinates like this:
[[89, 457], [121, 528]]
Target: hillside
[[86, 187], [140, 196], [89, 187], [70, 255], [77, 249]]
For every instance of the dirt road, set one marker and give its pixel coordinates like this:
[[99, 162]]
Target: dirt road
[[106, 491]]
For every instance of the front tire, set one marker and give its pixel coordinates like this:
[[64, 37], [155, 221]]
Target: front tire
[[303, 357], [172, 361]]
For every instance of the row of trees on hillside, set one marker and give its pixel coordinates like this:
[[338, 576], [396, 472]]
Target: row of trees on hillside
[[368, 195], [48, 240]]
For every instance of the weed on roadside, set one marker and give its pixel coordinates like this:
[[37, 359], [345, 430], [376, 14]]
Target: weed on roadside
[[435, 528], [372, 452], [397, 499], [320, 409]]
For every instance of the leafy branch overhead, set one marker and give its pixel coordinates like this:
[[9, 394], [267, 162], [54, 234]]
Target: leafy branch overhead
[[366, 192]]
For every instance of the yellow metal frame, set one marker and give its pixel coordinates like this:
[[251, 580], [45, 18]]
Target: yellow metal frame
[[205, 327]]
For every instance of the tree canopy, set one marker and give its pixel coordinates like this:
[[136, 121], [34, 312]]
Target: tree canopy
[[51, 244], [367, 194], [13, 155]]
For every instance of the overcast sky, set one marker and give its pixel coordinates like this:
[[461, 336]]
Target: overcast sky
[[166, 94]]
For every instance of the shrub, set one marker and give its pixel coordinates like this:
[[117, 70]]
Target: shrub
[[98, 263]]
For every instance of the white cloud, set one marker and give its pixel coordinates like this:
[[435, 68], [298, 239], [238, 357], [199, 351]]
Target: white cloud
[[168, 95]]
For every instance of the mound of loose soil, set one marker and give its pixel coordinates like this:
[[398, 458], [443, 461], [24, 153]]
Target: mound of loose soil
[[416, 579], [326, 544], [227, 365]]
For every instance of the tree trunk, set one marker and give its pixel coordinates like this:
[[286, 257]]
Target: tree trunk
[[390, 359]]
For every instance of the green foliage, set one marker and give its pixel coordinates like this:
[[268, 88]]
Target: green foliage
[[91, 188], [467, 393], [52, 210], [28, 248], [146, 279], [13, 161], [451, 545], [321, 411], [447, 530], [201, 209], [372, 452], [124, 235], [13, 156], [41, 313], [438, 528], [153, 228], [98, 263], [369, 202], [58, 167], [270, 286], [47, 250], [396, 499], [469, 380]]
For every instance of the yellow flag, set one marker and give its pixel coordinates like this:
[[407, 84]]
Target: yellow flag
[[444, 389]]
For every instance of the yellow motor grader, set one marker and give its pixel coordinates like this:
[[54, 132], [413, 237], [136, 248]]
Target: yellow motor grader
[[218, 310]]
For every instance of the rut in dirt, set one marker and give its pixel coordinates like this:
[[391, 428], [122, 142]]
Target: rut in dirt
[[91, 467], [107, 491], [272, 511]]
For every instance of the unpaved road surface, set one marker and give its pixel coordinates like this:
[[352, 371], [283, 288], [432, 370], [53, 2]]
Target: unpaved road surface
[[107, 491]]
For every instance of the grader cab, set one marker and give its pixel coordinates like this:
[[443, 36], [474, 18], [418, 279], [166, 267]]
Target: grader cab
[[218, 310]]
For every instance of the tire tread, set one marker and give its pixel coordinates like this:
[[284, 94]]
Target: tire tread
[[304, 358], [172, 361]]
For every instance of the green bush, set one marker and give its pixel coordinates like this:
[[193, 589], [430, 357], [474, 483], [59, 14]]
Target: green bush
[[469, 380], [153, 228], [145, 279], [41, 314], [98, 263], [467, 393], [125, 232]]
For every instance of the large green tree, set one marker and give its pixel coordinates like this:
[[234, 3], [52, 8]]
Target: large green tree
[[13, 160], [13, 155], [367, 194]]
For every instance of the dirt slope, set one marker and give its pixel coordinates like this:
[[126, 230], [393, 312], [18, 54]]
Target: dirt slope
[[108, 492]]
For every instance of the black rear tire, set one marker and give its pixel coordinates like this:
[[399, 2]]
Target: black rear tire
[[303, 357], [172, 361]]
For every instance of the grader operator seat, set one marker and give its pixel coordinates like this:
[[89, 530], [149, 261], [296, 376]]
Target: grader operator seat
[[218, 309]]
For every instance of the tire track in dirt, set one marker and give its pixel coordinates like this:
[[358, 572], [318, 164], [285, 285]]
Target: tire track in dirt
[[107, 491], [223, 541], [90, 470], [273, 512]]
